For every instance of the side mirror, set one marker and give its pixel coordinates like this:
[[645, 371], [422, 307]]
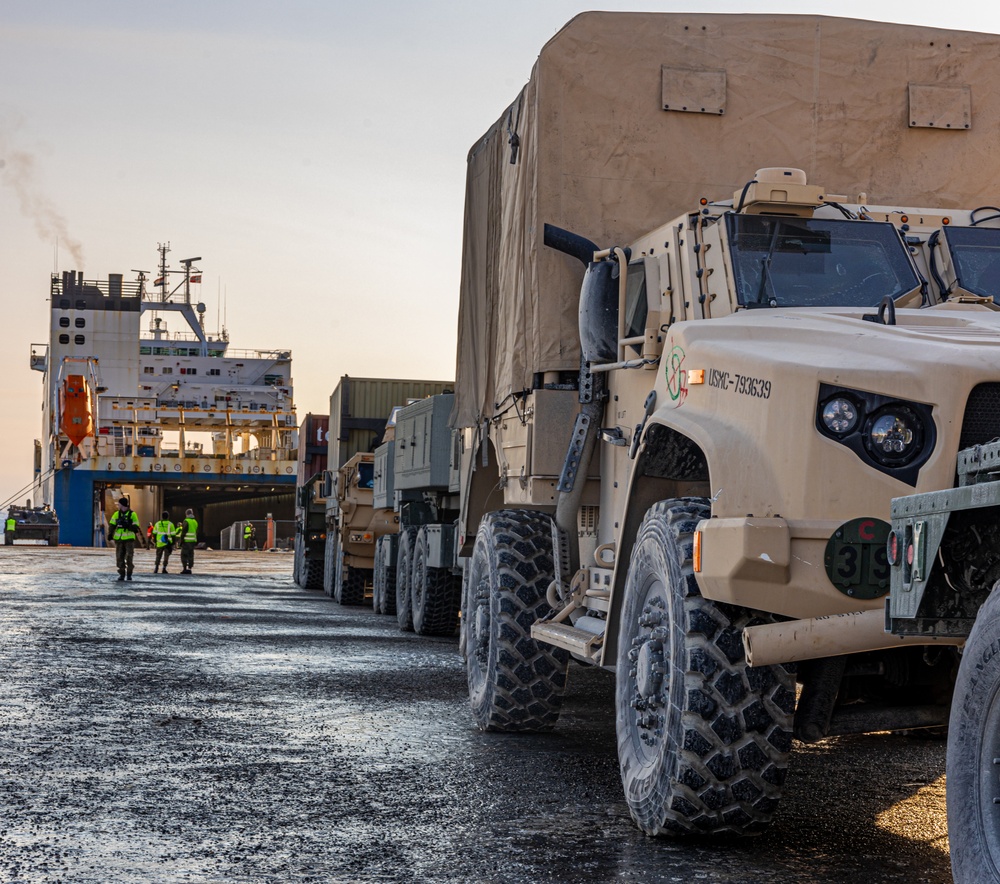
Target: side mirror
[[599, 312]]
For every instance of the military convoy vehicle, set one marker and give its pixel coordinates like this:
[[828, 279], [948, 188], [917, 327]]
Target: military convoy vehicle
[[353, 526], [310, 506], [416, 574], [310, 532], [692, 378], [944, 553], [34, 523], [357, 420]]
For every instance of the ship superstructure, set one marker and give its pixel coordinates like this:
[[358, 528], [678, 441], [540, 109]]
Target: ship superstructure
[[175, 418]]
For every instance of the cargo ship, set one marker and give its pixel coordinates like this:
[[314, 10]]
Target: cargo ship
[[174, 418]]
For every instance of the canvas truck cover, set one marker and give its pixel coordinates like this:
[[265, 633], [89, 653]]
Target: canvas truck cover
[[629, 118]]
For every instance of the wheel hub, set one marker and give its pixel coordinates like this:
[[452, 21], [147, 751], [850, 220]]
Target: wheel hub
[[649, 669]]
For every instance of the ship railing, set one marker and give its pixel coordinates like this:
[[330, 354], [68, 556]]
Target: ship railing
[[275, 355], [76, 285]]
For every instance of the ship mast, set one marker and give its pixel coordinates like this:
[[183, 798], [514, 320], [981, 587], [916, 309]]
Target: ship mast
[[161, 280]]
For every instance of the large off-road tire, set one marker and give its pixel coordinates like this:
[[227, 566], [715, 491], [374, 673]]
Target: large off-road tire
[[973, 749], [515, 683], [435, 593], [312, 573], [331, 563], [404, 572], [703, 739], [384, 578], [350, 588], [298, 558]]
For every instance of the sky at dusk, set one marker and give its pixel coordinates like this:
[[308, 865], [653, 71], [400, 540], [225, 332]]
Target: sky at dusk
[[313, 153]]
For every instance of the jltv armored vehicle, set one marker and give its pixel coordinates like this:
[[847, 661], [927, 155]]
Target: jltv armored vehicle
[[727, 291]]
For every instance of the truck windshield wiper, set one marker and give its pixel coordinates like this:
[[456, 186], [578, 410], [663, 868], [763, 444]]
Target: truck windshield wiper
[[765, 270]]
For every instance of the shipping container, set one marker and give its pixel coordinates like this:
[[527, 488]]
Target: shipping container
[[359, 408], [312, 446]]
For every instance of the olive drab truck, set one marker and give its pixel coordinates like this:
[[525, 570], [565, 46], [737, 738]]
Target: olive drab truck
[[34, 523], [310, 505], [417, 576], [944, 552], [310, 532], [727, 291]]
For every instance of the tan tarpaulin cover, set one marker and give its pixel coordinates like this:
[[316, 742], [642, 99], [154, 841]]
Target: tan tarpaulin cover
[[860, 106]]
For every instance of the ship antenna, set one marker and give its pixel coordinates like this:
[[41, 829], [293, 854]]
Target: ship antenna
[[162, 248]]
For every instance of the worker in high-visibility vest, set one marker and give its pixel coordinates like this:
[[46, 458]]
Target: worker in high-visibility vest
[[163, 533], [9, 528], [249, 536], [188, 538], [126, 531]]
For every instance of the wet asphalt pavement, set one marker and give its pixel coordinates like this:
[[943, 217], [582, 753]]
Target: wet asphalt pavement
[[231, 727]]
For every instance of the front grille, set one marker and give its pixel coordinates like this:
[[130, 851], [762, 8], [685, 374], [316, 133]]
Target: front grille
[[981, 423]]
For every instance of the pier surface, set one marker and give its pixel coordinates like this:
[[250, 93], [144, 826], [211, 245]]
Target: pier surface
[[229, 726]]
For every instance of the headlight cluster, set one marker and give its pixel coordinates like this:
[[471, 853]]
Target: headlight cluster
[[894, 435], [887, 432], [840, 415]]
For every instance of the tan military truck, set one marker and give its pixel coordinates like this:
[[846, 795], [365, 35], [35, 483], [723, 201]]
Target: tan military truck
[[355, 526], [681, 468]]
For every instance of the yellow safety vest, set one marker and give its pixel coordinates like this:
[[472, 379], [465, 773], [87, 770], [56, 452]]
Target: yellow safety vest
[[11, 524], [127, 530], [164, 532], [191, 530]]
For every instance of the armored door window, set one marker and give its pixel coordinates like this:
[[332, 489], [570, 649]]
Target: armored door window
[[636, 303]]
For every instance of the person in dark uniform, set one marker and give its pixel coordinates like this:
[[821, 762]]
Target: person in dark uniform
[[188, 538], [126, 531]]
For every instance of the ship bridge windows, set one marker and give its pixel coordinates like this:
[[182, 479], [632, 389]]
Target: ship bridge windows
[[161, 351], [145, 351], [148, 369], [214, 371]]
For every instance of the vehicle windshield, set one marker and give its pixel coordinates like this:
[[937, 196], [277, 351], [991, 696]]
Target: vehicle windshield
[[817, 262], [366, 475], [975, 255]]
